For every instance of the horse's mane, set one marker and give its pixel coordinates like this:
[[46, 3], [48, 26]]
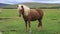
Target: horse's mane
[[26, 10]]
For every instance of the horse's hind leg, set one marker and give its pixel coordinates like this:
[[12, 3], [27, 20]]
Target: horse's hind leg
[[40, 24]]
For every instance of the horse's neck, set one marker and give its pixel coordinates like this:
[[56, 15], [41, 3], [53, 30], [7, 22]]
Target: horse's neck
[[25, 10], [23, 14]]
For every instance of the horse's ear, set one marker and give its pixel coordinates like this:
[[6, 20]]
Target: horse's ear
[[21, 6], [17, 6]]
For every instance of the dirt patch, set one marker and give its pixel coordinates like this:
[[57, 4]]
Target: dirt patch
[[12, 30], [58, 22], [9, 18], [4, 18]]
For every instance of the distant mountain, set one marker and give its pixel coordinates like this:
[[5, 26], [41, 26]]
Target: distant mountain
[[2, 4]]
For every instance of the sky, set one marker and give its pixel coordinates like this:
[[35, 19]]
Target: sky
[[21, 1]]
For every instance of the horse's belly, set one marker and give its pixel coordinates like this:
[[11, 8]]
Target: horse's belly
[[33, 19]]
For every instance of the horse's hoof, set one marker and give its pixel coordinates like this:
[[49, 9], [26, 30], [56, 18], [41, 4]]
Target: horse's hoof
[[30, 32], [26, 31]]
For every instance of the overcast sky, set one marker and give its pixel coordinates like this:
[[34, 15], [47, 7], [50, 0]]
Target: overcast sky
[[21, 1]]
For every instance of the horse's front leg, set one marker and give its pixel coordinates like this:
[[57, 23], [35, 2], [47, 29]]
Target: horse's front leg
[[29, 26], [26, 25]]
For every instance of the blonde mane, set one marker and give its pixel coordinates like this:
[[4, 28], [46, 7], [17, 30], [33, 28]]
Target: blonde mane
[[26, 9]]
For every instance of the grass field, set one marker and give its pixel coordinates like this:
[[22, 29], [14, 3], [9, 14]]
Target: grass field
[[10, 23]]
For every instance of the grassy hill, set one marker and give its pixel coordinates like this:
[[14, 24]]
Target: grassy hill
[[41, 4], [1, 4], [34, 5]]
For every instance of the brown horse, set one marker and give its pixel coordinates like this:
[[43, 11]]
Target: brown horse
[[30, 15]]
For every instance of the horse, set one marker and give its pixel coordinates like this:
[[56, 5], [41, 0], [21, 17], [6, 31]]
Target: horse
[[30, 15]]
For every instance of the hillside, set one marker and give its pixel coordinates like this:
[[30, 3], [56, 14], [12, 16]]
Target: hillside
[[40, 4], [3, 5], [32, 4]]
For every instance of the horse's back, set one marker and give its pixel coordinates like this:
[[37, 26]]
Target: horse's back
[[35, 14], [40, 11]]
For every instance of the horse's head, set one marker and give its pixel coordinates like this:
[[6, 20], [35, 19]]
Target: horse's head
[[20, 9], [23, 9]]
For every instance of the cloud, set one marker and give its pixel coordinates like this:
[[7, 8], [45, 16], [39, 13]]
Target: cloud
[[14, 1], [9, 1], [46, 0], [26, 0], [21, 1]]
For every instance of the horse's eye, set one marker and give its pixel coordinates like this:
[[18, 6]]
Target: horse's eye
[[21, 6]]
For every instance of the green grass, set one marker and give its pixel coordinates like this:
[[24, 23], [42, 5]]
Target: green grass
[[51, 22], [9, 13]]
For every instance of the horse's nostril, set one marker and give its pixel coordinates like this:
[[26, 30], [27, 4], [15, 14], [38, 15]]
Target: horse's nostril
[[20, 10]]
